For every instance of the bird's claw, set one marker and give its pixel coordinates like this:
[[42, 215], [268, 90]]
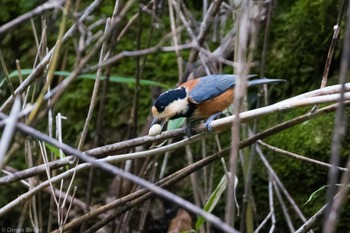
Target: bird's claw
[[209, 120], [209, 127]]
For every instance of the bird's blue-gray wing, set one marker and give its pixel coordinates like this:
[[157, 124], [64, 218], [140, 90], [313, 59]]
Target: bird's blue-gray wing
[[211, 86]]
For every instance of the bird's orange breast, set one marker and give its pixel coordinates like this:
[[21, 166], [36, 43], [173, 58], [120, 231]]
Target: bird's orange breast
[[215, 105]]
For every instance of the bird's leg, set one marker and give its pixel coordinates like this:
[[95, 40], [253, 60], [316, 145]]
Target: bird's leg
[[188, 127], [209, 120]]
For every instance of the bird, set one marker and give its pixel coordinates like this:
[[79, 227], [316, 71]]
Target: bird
[[201, 98]]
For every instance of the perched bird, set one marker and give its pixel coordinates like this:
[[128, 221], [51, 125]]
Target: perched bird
[[201, 98]]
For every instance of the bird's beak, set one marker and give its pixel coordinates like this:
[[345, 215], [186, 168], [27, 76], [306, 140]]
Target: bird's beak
[[156, 127], [155, 121], [162, 122], [158, 121]]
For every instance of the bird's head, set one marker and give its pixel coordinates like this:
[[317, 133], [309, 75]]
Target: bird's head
[[170, 105]]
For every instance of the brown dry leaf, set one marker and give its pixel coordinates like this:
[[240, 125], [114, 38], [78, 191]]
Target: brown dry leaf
[[181, 222]]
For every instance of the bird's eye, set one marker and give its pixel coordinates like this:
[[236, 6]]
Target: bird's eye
[[162, 107]]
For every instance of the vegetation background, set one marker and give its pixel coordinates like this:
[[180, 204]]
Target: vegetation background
[[109, 65]]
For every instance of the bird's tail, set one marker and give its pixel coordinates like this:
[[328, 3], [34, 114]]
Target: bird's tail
[[264, 81]]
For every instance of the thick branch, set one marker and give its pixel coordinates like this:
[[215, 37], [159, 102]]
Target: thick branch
[[133, 199], [145, 140]]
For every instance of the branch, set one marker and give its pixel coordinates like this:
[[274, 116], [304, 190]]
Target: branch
[[306, 227], [118, 172], [42, 65], [25, 17], [282, 106], [29, 172], [142, 52], [145, 140], [204, 29], [201, 163], [334, 207], [126, 203], [296, 156], [219, 124]]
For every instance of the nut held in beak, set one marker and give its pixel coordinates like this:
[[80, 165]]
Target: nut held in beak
[[155, 130]]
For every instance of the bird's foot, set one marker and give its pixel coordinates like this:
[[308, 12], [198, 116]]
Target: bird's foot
[[188, 129], [209, 120]]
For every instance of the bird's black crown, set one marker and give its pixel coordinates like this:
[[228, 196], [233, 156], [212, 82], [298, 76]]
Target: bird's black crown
[[168, 97]]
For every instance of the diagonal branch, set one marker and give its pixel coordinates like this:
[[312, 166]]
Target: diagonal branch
[[112, 148], [25, 17], [131, 200], [126, 175], [204, 29], [41, 66]]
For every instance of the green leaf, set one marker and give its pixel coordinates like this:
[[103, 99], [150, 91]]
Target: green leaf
[[214, 198], [113, 78], [54, 150], [312, 195], [14, 74], [175, 124], [24, 72]]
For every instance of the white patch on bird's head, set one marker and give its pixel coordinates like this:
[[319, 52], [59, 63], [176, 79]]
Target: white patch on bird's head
[[176, 107], [170, 105]]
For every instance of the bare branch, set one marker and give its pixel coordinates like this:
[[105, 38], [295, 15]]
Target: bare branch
[[126, 175], [306, 227], [332, 213], [296, 156], [205, 26], [29, 172], [37, 11], [41, 66], [203, 162], [9, 131]]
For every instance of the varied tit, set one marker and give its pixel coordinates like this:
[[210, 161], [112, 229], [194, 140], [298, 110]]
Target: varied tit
[[201, 98]]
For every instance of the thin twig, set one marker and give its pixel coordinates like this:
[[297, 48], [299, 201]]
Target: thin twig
[[59, 89], [306, 227], [69, 208], [94, 95], [42, 65], [48, 172], [141, 52], [336, 29], [6, 74], [296, 156], [52, 64], [204, 30], [30, 14], [29, 172], [175, 39], [9, 132], [279, 183], [196, 189], [332, 214], [284, 208], [239, 94], [271, 205]]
